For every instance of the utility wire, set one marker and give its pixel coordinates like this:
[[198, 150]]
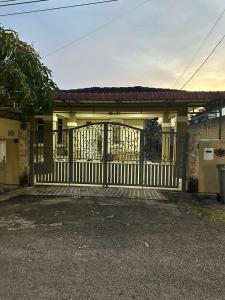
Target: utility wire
[[57, 8], [21, 3], [94, 30], [203, 63], [199, 48], [3, 1]]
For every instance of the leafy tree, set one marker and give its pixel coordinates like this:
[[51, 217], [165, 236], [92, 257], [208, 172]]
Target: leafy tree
[[25, 82], [153, 139], [153, 127]]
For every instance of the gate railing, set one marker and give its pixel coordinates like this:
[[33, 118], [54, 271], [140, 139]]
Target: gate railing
[[109, 154]]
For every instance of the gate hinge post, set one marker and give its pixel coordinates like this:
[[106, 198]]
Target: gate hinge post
[[70, 156], [184, 163], [141, 182], [31, 168], [105, 155]]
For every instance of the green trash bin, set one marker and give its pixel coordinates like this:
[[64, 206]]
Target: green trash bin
[[221, 174]]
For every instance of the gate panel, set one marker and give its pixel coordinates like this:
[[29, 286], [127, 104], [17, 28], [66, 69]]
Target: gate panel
[[88, 152], [163, 160], [160, 175], [110, 154], [123, 173], [51, 157], [123, 159], [87, 172]]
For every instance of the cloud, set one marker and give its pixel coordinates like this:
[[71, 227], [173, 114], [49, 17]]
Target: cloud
[[149, 45]]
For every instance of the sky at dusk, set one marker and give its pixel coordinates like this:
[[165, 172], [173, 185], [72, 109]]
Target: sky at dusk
[[126, 43]]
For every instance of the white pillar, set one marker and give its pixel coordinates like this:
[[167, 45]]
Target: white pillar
[[166, 129]]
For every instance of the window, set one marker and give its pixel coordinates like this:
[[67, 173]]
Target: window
[[40, 131], [60, 131], [116, 134]]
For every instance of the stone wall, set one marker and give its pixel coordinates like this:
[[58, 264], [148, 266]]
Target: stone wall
[[24, 154]]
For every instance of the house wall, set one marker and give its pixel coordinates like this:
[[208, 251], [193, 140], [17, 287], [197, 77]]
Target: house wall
[[70, 120], [9, 171], [134, 123], [204, 130], [14, 169], [208, 172], [9, 128]]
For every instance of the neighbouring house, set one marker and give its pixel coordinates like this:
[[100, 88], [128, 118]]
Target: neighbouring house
[[14, 150], [206, 135]]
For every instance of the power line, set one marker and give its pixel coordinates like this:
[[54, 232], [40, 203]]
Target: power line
[[94, 30], [203, 63], [21, 3], [57, 8], [199, 48], [3, 1], [18, 3]]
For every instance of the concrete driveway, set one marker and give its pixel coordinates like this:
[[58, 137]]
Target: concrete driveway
[[97, 245]]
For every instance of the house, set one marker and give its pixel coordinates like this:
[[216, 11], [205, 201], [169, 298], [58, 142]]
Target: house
[[101, 136], [98, 136]]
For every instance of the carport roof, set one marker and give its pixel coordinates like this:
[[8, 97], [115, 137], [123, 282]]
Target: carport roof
[[135, 95]]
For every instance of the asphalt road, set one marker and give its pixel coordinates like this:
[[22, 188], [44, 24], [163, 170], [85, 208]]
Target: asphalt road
[[108, 248]]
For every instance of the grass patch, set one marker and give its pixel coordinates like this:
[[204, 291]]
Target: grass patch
[[210, 214]]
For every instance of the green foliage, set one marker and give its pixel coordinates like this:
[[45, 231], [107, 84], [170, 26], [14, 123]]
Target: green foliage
[[153, 127], [211, 214], [25, 81], [153, 139]]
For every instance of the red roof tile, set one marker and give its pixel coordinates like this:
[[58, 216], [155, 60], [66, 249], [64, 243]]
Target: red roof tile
[[137, 94]]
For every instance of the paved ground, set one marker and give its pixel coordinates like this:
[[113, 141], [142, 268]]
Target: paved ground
[[76, 192], [109, 244]]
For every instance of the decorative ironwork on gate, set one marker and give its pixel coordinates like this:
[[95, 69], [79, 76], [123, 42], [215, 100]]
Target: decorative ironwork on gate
[[109, 154], [123, 143]]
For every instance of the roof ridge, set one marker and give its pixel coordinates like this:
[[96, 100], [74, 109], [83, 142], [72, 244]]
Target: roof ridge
[[132, 89]]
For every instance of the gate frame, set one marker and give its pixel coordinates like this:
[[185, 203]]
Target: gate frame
[[70, 131], [105, 154], [31, 158], [184, 163]]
